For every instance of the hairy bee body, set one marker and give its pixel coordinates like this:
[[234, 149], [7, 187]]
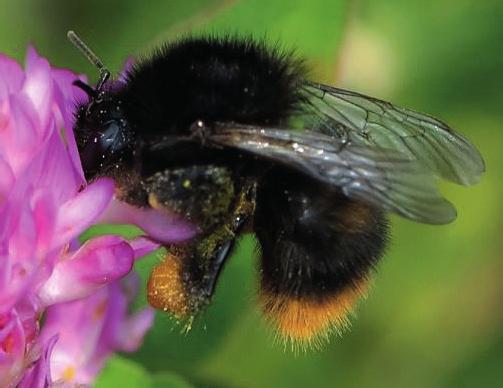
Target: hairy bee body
[[202, 129]]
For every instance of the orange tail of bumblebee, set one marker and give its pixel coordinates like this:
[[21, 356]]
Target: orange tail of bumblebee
[[308, 321], [318, 250]]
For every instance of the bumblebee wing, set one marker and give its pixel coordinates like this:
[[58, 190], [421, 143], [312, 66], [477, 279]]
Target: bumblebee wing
[[375, 123], [378, 176]]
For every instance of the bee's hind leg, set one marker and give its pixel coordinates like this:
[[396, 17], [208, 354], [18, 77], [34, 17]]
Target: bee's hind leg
[[185, 281]]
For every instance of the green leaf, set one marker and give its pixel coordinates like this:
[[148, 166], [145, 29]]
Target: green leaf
[[126, 231], [124, 373], [170, 380]]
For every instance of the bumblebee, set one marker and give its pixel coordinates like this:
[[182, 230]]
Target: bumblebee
[[230, 134]]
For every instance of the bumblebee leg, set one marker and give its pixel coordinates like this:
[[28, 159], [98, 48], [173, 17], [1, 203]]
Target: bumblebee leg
[[180, 285], [185, 281]]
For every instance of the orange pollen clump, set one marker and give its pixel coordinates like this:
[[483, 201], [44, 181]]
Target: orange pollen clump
[[165, 290]]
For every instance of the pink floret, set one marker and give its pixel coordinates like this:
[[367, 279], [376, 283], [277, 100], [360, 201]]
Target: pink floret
[[83, 292]]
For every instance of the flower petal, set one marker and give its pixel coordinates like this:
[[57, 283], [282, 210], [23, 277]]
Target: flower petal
[[11, 76], [143, 246], [66, 97], [159, 226], [97, 263], [127, 67], [79, 324], [53, 169], [130, 335], [38, 85], [12, 347], [19, 140], [6, 180], [17, 278], [39, 375], [44, 211], [80, 212]]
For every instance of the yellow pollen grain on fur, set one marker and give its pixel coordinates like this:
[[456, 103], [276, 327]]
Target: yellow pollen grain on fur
[[165, 289], [153, 201]]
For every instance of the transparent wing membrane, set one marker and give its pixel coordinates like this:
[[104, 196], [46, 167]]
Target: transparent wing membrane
[[379, 124], [377, 176]]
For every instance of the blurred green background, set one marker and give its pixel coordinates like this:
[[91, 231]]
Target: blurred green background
[[434, 317]]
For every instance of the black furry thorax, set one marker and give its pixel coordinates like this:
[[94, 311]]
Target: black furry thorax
[[211, 79]]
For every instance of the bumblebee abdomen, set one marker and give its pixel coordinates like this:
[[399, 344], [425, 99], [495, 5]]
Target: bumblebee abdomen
[[212, 79], [318, 251]]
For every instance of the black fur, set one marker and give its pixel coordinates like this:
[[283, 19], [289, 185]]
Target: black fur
[[315, 241], [212, 79], [312, 243]]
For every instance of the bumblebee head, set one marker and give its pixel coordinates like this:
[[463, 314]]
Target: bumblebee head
[[104, 137]]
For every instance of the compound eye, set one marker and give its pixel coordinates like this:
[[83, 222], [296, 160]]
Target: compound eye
[[109, 146], [113, 138]]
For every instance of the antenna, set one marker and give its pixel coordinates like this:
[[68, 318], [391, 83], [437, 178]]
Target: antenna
[[92, 57]]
